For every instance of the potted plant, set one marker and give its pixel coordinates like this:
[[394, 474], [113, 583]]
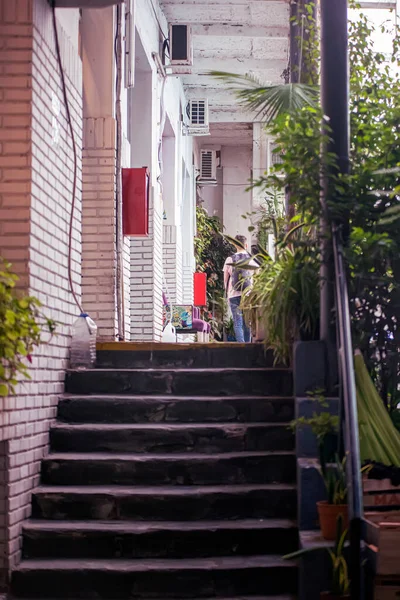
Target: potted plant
[[229, 330], [325, 427], [334, 476], [340, 583]]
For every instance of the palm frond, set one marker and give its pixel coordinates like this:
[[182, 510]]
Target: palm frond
[[269, 101]]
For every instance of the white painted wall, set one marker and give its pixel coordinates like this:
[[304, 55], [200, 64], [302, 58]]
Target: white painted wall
[[213, 198], [156, 106], [237, 167]]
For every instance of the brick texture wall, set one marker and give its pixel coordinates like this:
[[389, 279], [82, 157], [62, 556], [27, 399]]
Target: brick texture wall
[[146, 281], [36, 189], [172, 261], [98, 225]]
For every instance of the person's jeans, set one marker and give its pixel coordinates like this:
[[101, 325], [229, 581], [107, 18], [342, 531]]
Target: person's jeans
[[242, 332]]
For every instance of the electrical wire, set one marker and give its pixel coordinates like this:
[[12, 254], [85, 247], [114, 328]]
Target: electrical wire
[[74, 152], [118, 174], [158, 21]]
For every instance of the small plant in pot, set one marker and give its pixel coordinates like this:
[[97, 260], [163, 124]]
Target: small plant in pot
[[325, 427], [340, 583], [334, 476]]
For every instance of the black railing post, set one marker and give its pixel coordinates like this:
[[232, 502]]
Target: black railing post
[[335, 105]]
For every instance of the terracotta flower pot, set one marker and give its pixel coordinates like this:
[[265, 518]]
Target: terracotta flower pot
[[328, 514], [330, 596]]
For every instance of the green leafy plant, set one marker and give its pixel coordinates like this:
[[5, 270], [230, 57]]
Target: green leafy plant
[[21, 328], [268, 101], [334, 476], [340, 582], [211, 251]]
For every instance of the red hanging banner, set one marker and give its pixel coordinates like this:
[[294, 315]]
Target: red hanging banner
[[200, 289], [135, 201]]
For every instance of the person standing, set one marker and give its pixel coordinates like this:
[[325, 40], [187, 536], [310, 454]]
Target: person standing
[[236, 281]]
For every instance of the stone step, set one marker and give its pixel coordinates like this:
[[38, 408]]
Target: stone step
[[165, 502], [204, 382], [148, 578], [263, 597], [126, 539], [167, 437], [241, 597], [115, 408], [168, 469], [128, 355]]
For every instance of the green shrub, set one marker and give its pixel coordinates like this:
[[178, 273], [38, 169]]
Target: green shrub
[[21, 327]]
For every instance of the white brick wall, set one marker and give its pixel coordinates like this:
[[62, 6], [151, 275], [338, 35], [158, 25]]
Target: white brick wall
[[146, 282], [35, 202], [172, 263], [98, 225]]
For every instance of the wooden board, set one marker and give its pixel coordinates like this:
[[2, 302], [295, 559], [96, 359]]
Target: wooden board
[[387, 588], [380, 493], [383, 538]]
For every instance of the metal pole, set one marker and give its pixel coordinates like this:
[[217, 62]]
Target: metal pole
[[335, 105]]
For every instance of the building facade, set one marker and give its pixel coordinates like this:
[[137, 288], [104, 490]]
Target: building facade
[[60, 195]]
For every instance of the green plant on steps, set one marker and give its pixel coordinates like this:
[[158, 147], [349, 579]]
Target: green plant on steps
[[334, 476], [21, 328], [340, 582]]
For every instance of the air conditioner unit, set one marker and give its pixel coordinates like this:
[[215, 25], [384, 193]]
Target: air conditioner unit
[[208, 167], [197, 111], [275, 158], [180, 45], [197, 123]]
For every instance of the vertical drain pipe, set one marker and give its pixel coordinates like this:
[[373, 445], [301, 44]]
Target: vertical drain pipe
[[118, 177]]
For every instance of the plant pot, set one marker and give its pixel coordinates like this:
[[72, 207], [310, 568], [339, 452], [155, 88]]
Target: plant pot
[[328, 514], [330, 596]]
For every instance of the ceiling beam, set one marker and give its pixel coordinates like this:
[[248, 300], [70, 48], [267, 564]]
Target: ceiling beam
[[381, 5], [165, 3], [276, 14], [252, 31], [240, 65], [268, 76], [240, 48]]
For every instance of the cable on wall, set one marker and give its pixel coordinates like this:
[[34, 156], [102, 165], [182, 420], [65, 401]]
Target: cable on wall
[[118, 184], [74, 152]]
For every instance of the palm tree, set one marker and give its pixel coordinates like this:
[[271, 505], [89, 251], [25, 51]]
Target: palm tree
[[268, 101]]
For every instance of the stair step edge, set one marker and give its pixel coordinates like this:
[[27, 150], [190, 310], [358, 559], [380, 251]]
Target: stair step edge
[[152, 526], [156, 564], [143, 457], [165, 489]]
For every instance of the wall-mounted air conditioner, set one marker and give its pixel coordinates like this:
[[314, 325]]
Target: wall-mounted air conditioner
[[208, 167], [274, 157], [180, 45], [197, 117]]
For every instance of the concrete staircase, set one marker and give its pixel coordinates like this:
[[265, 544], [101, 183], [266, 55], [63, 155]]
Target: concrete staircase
[[171, 475]]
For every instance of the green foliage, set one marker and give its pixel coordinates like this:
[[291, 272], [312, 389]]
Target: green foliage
[[334, 476], [211, 250], [268, 101], [340, 583], [268, 218], [368, 198], [285, 292], [340, 571], [21, 325]]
